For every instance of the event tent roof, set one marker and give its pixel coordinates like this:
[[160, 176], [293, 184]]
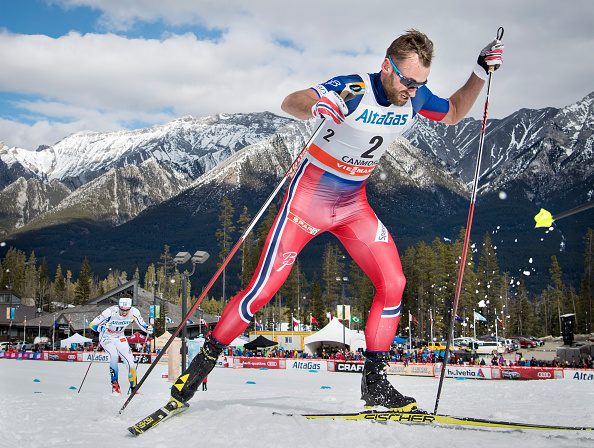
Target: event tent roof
[[138, 338], [334, 334], [74, 339], [260, 342]]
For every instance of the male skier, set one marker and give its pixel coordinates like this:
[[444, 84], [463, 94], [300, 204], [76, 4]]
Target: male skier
[[327, 193], [110, 325]]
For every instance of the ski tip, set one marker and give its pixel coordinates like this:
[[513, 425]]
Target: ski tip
[[134, 431]]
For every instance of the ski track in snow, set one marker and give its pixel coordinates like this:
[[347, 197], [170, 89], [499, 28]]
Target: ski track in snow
[[234, 412]]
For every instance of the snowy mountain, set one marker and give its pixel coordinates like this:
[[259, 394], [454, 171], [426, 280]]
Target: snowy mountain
[[26, 199], [90, 164], [547, 150], [193, 145]]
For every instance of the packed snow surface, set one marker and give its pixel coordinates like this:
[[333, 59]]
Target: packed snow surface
[[41, 406]]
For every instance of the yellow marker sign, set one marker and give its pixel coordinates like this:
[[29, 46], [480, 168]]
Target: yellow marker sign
[[544, 218]]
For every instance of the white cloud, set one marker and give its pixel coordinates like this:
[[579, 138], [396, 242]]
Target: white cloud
[[268, 49]]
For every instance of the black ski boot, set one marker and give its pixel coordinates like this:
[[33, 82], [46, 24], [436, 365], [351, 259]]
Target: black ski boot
[[376, 390], [186, 385]]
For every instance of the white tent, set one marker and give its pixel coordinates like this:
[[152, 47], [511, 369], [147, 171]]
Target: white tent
[[74, 339], [332, 336]]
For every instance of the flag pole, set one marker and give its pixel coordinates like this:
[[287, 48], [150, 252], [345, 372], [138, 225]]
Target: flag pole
[[409, 333], [496, 335]]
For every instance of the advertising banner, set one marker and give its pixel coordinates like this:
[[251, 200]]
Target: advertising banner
[[398, 368], [585, 376], [471, 372], [261, 363], [60, 356], [350, 367], [21, 355], [317, 365], [527, 373], [95, 356]]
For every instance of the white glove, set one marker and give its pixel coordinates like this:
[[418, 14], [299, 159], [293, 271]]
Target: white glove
[[490, 56], [149, 329]]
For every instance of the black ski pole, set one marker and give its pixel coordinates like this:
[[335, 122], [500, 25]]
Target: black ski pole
[[466, 235], [89, 368], [288, 174]]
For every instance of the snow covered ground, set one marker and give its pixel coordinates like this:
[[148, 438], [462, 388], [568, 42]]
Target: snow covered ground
[[40, 407]]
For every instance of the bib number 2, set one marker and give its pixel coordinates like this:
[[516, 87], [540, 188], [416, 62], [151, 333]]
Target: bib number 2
[[375, 143]]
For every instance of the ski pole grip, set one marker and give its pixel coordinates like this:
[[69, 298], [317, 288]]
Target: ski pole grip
[[498, 37], [346, 94]]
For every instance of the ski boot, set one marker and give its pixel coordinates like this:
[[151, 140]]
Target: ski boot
[[186, 385], [115, 388], [376, 390]]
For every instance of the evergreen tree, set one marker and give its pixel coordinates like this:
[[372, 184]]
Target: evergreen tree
[[165, 274], [316, 306], [423, 279], [60, 286], [262, 233], [522, 321], [111, 281], [211, 306], [70, 287], [223, 235], [558, 292], [489, 278], [13, 275], [332, 275], [150, 278], [505, 295], [247, 246], [44, 285], [82, 291], [32, 286]]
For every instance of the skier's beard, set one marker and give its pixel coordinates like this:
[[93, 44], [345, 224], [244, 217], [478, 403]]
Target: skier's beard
[[395, 95]]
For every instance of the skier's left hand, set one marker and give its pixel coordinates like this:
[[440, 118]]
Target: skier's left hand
[[149, 329], [490, 56]]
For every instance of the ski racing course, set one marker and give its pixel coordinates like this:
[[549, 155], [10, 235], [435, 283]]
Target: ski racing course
[[41, 406]]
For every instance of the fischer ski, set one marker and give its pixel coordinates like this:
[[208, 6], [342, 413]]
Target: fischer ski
[[169, 410], [427, 418]]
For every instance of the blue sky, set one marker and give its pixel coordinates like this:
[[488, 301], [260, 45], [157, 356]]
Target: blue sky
[[72, 65]]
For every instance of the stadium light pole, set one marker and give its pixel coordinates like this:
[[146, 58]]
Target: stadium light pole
[[155, 283], [199, 257]]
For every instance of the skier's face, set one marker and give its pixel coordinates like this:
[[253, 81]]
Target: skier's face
[[401, 82], [124, 311]]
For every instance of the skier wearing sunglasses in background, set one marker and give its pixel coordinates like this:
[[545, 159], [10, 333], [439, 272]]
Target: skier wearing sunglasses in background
[[110, 325], [327, 193]]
